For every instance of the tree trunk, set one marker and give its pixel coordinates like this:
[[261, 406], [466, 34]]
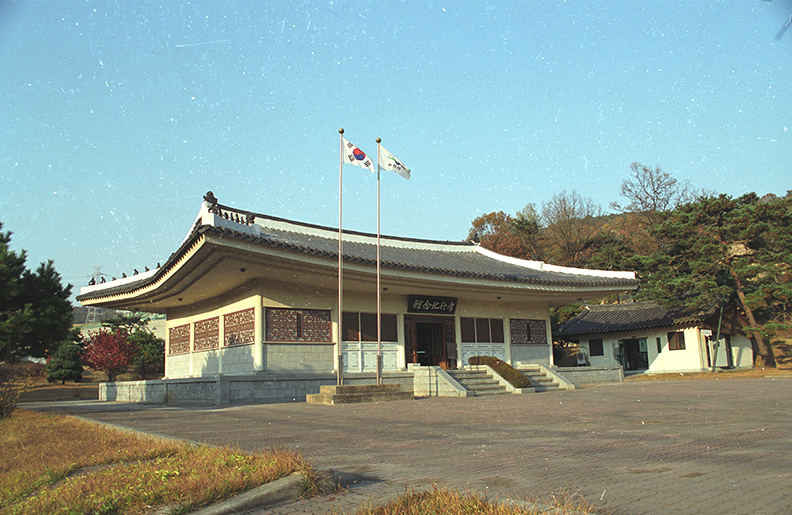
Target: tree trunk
[[764, 357]]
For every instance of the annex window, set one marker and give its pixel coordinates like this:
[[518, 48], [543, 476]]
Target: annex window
[[528, 331], [595, 347], [298, 325], [676, 340], [659, 345], [482, 330], [362, 327]]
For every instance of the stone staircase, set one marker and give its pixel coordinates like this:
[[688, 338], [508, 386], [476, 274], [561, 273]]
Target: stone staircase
[[352, 394], [478, 382], [540, 381]]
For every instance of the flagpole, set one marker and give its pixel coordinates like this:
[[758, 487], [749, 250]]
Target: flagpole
[[340, 369], [379, 289]]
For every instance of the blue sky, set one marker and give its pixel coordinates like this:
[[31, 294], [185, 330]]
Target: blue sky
[[116, 117]]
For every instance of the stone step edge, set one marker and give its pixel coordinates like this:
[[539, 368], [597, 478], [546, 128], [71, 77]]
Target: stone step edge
[[359, 388], [321, 398]]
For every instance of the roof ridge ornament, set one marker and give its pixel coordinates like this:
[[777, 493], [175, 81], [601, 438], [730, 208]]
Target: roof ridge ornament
[[211, 202]]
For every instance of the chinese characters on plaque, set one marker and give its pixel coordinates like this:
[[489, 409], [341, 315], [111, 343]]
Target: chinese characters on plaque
[[434, 305]]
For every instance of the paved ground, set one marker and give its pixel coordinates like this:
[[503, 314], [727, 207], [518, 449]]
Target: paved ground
[[689, 447]]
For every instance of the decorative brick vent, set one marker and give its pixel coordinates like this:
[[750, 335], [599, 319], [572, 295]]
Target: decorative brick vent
[[179, 339], [528, 331], [298, 325], [239, 328], [207, 334]]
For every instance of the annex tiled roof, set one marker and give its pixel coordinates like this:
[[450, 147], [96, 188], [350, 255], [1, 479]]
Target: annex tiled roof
[[459, 259], [632, 316]]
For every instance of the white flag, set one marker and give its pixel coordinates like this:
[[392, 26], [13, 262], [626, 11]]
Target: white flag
[[387, 161], [355, 156]]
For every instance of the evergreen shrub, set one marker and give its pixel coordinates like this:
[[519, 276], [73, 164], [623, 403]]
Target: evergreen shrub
[[506, 371]]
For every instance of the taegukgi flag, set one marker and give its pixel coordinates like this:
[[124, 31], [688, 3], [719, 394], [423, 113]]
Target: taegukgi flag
[[388, 161], [355, 156]]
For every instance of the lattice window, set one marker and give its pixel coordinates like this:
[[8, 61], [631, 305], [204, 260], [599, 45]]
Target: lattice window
[[481, 330], [528, 331], [298, 325], [239, 328], [207, 334], [363, 327], [179, 339]]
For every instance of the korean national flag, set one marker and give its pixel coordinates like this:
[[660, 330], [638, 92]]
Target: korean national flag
[[354, 156]]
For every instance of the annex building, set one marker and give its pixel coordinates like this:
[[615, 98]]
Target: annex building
[[648, 338], [252, 308]]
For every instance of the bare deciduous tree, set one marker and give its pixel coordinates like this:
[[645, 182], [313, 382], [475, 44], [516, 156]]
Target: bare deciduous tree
[[572, 222], [651, 192]]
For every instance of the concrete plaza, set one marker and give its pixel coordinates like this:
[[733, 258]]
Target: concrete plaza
[[655, 447]]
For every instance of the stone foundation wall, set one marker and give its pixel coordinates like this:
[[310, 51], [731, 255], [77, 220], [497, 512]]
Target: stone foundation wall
[[589, 375], [236, 390]]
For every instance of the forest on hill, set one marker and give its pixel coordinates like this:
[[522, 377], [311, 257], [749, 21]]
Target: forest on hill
[[689, 247]]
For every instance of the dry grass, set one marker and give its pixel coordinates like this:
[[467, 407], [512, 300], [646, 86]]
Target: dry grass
[[721, 374], [59, 465], [452, 502], [41, 390], [782, 350]]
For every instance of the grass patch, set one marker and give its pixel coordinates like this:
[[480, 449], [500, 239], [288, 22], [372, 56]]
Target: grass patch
[[60, 465], [452, 502], [506, 371], [782, 350]]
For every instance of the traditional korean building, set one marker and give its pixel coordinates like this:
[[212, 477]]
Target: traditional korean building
[[252, 299], [648, 338]]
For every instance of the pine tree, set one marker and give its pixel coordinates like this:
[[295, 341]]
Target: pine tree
[[719, 249], [66, 364], [35, 313]]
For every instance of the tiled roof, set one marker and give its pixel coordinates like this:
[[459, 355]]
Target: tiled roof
[[633, 316], [460, 259]]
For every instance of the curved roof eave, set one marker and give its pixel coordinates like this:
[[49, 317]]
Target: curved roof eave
[[458, 260]]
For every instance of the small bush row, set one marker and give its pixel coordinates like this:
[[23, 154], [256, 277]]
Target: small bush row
[[506, 371]]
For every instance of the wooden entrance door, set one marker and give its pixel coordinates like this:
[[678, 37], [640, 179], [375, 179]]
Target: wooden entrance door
[[427, 339]]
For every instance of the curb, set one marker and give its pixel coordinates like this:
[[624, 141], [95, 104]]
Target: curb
[[280, 491]]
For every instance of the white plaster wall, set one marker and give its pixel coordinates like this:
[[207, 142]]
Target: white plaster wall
[[528, 354], [692, 358], [206, 363], [238, 360], [210, 362], [299, 357], [177, 366], [321, 358], [742, 352]]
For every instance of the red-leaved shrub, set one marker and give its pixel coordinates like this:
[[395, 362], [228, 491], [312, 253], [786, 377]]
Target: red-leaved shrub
[[109, 352]]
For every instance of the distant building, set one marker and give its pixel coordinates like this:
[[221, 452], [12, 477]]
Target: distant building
[[250, 295], [643, 336]]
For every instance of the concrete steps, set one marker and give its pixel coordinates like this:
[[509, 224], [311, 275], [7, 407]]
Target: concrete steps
[[478, 382], [541, 382], [353, 394]]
